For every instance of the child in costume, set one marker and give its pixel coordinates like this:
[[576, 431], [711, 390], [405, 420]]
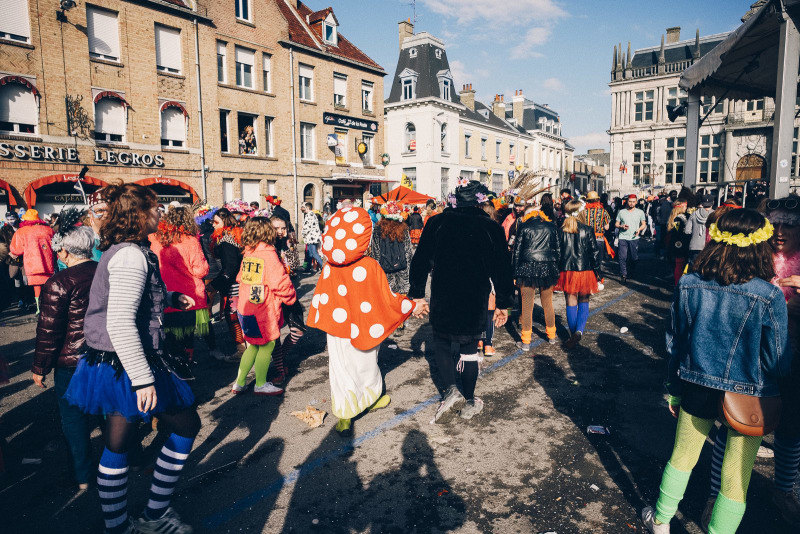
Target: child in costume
[[32, 242], [727, 335], [264, 286], [355, 307]]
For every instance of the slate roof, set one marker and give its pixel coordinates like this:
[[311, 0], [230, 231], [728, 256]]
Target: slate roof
[[491, 119], [531, 115], [427, 66], [311, 35], [673, 53]]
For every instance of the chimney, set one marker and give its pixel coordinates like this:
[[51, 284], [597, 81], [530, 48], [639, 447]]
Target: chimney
[[499, 106], [661, 58], [467, 96], [673, 34], [518, 106], [405, 30]]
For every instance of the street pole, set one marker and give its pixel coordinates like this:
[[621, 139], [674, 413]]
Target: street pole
[[692, 137], [294, 139], [785, 95]]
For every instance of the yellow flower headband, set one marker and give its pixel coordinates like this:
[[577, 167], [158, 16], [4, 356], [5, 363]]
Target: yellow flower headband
[[741, 240]]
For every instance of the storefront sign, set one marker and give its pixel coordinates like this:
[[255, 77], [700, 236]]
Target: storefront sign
[[349, 122], [70, 155], [113, 157]]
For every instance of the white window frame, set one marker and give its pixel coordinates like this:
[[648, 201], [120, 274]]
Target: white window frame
[[105, 137], [266, 72], [243, 10], [165, 54], [367, 90], [334, 40], [445, 88], [166, 141], [16, 22], [222, 62], [308, 150], [114, 53], [305, 83], [498, 143], [254, 123], [444, 138], [409, 134], [369, 140], [227, 114], [412, 52], [16, 126], [409, 88], [644, 104], [268, 136], [339, 99], [467, 139], [483, 148], [241, 67]]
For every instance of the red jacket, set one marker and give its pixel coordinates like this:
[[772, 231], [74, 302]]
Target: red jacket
[[183, 266], [33, 242]]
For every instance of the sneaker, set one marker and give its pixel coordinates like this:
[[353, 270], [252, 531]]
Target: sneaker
[[344, 427], [649, 520], [279, 379], [480, 345], [452, 398], [553, 340], [600, 286], [765, 452], [267, 389], [471, 409], [227, 358], [488, 350], [705, 519], [574, 340], [130, 528], [523, 346], [236, 388], [382, 402], [169, 522], [788, 506]]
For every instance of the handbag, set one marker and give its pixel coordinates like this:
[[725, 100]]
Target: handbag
[[751, 416]]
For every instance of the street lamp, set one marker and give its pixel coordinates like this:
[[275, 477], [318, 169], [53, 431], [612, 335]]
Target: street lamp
[[65, 6]]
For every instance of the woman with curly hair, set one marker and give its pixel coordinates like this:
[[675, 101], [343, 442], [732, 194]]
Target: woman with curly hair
[[391, 247], [183, 266], [226, 244]]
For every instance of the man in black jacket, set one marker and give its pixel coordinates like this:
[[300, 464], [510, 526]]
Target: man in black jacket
[[466, 252]]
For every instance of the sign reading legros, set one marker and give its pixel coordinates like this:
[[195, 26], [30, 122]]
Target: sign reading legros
[[349, 122], [70, 155]]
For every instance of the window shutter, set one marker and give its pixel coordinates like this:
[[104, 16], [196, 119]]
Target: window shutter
[[168, 48], [18, 104], [251, 190], [243, 55], [103, 32], [267, 60], [16, 17], [339, 85], [173, 125], [109, 116], [306, 71]]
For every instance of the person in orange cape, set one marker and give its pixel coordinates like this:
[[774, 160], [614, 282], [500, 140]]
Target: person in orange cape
[[354, 306]]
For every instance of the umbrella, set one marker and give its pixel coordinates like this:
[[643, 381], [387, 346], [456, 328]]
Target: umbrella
[[402, 195]]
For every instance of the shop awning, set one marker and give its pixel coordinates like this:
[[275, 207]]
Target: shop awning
[[402, 195], [30, 191], [9, 193], [110, 94], [170, 182], [19, 79]]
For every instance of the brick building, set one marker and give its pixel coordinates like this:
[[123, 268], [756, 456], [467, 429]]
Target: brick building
[[113, 85]]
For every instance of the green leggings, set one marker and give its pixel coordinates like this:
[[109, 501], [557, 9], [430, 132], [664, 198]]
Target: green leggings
[[260, 355], [737, 466]]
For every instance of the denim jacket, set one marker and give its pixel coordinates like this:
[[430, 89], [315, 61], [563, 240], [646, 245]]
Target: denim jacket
[[731, 338]]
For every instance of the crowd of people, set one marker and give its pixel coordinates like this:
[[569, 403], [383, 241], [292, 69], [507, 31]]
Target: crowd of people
[[124, 289]]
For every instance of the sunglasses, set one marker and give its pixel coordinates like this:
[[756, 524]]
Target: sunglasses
[[784, 203]]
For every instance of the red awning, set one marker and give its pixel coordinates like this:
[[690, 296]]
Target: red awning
[[19, 79], [30, 191], [110, 94], [402, 195], [175, 104], [11, 200], [169, 181]]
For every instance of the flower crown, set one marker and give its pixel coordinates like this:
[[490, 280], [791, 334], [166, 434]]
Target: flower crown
[[741, 240]]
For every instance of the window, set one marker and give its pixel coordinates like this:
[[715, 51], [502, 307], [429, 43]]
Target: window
[[497, 181], [222, 62], [173, 128], [642, 157], [708, 102], [251, 190], [511, 155], [101, 27], [268, 136], [266, 68], [709, 157], [483, 148], [243, 9], [227, 190], [19, 111], [755, 105], [223, 130], [248, 145], [412, 52], [794, 153], [15, 24], [497, 145], [675, 158], [368, 140], [438, 53], [643, 106], [366, 96], [411, 174], [272, 188], [245, 59], [306, 82], [469, 175], [168, 49], [444, 143], [329, 33], [408, 88], [676, 96], [444, 185], [339, 90], [467, 138], [109, 120], [411, 137], [444, 88], [307, 141], [340, 150]]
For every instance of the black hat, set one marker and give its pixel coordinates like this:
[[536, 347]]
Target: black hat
[[707, 201], [467, 195]]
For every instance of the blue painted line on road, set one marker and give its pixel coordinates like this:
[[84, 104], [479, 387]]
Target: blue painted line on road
[[240, 505]]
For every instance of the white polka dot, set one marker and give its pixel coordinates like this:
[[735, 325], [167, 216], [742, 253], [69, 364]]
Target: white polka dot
[[359, 274], [345, 210], [323, 298], [350, 217], [316, 319], [340, 233], [326, 271], [342, 289], [358, 228], [339, 315], [338, 256], [366, 307], [335, 222], [351, 244], [328, 243], [353, 331], [315, 301], [406, 306], [376, 330]]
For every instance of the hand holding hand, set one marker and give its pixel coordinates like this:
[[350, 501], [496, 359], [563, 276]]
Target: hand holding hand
[[790, 281], [500, 317], [146, 399], [185, 301], [674, 410], [421, 308], [38, 380]]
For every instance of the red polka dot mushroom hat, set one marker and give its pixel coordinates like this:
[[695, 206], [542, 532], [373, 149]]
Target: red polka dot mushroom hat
[[352, 299]]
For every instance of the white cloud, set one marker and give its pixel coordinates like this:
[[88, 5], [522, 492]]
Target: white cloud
[[534, 37], [462, 74], [518, 12], [553, 84], [590, 140]]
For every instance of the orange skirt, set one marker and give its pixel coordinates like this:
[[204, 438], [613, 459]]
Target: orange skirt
[[577, 282]]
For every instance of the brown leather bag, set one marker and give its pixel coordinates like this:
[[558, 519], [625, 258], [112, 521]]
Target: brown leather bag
[[751, 416]]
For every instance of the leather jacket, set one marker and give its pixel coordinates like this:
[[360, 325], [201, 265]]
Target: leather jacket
[[536, 241], [579, 251], [59, 333]]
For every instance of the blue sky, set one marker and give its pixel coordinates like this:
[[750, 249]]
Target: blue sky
[[558, 51]]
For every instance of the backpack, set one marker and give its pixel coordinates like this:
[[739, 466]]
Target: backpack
[[392, 256]]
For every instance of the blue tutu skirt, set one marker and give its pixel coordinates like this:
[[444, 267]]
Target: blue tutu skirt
[[97, 390]]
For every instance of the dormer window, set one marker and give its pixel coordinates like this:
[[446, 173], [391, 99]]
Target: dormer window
[[412, 52], [444, 89], [408, 89], [408, 84], [438, 53], [445, 83], [329, 32]]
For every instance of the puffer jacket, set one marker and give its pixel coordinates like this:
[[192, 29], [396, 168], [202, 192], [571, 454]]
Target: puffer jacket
[[579, 251], [32, 242], [183, 267], [536, 241], [59, 333]]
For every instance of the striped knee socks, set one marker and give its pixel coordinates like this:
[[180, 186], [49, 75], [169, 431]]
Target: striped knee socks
[[787, 461], [165, 477], [112, 487]]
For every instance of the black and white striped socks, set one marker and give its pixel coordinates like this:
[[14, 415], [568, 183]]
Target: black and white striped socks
[[165, 477], [112, 486]]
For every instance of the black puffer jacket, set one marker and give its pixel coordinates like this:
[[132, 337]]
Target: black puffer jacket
[[537, 240], [59, 334], [579, 251]]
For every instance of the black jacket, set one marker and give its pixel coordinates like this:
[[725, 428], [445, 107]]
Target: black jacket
[[579, 251], [230, 257], [536, 241], [59, 332], [415, 221], [465, 249]]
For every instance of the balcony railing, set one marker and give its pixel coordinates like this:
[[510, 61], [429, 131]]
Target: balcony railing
[[760, 116], [670, 68]]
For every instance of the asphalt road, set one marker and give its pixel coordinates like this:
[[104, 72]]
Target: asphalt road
[[525, 464]]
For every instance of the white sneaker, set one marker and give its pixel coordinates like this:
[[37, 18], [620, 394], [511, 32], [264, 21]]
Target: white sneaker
[[649, 520], [169, 522], [236, 388], [267, 389]]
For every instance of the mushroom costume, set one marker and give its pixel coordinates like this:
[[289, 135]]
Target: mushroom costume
[[355, 307]]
